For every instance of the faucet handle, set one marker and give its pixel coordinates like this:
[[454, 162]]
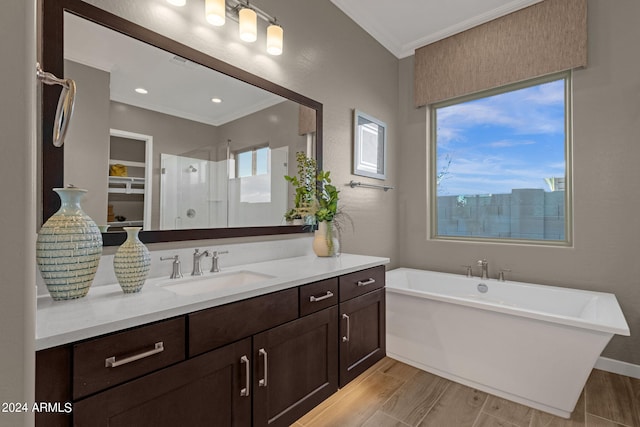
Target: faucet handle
[[501, 274], [176, 273], [469, 270], [214, 264]]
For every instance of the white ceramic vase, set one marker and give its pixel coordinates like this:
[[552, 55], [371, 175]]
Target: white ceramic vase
[[68, 248], [132, 262], [325, 243]]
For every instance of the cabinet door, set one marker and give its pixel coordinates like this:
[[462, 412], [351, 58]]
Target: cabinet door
[[295, 368], [204, 391], [362, 334]]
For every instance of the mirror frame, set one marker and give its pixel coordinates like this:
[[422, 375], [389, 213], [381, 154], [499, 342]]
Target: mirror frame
[[52, 60]]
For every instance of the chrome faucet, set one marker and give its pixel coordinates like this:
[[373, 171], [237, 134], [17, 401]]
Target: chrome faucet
[[214, 265], [197, 267], [485, 268], [176, 273]]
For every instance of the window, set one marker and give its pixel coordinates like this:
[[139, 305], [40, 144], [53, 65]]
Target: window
[[253, 173], [252, 162], [500, 164]]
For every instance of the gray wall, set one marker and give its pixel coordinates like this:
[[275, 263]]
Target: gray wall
[[87, 143], [606, 125], [327, 58], [19, 176]]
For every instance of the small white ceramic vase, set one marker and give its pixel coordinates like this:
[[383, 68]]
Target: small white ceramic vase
[[325, 243], [132, 262], [68, 248]]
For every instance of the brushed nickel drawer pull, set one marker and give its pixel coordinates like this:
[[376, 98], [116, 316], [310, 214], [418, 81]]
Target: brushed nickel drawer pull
[[111, 362], [328, 295], [369, 281], [263, 382], [347, 337], [245, 391]]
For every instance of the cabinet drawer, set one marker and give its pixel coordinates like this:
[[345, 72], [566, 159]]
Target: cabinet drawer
[[218, 326], [104, 362], [361, 282], [316, 296]]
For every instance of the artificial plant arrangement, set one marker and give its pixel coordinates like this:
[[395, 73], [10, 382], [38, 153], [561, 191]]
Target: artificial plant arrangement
[[316, 200], [305, 188]]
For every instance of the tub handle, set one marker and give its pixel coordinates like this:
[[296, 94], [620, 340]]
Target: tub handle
[[110, 362], [369, 281], [346, 337], [247, 374], [328, 295]]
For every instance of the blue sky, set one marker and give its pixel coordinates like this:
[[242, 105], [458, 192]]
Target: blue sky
[[495, 144]]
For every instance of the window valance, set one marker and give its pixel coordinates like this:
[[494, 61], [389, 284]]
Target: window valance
[[545, 38]]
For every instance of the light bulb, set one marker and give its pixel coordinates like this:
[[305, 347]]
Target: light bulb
[[274, 39], [215, 12], [248, 25]]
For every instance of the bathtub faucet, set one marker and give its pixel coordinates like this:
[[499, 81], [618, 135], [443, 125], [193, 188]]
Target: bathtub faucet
[[485, 268]]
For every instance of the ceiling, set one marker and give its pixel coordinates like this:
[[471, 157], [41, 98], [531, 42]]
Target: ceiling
[[175, 86], [400, 26], [405, 25]]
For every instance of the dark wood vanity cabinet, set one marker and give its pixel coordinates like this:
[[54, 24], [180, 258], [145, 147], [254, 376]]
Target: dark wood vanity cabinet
[[204, 391], [362, 322], [264, 361], [296, 368]]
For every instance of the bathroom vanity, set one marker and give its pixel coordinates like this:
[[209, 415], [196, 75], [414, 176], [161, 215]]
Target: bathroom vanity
[[264, 354]]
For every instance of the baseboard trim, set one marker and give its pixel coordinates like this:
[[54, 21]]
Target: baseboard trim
[[618, 367]]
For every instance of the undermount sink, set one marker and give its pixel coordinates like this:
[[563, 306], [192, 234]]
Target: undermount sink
[[211, 283]]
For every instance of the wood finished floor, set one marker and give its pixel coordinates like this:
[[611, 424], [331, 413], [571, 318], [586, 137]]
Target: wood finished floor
[[393, 394]]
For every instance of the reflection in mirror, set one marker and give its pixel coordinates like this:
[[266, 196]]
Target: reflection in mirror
[[115, 121], [165, 143]]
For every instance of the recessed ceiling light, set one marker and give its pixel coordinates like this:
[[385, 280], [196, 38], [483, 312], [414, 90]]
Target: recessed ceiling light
[[216, 100], [177, 2], [142, 90]]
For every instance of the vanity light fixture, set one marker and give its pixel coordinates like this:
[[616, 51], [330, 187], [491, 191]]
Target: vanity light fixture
[[177, 2], [142, 90], [274, 39], [215, 12], [247, 17], [248, 24]]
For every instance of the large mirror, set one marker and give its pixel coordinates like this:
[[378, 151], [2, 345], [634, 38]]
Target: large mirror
[[168, 138]]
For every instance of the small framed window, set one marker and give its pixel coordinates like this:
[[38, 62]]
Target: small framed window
[[500, 164], [252, 162]]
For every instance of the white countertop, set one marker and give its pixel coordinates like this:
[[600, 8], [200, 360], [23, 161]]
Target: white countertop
[[107, 309]]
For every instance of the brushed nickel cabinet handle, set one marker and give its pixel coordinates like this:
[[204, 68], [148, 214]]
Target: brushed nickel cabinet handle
[[263, 382], [110, 362], [328, 295], [346, 337], [369, 281], [245, 391]]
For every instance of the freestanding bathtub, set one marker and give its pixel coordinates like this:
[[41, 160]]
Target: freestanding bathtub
[[531, 344]]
